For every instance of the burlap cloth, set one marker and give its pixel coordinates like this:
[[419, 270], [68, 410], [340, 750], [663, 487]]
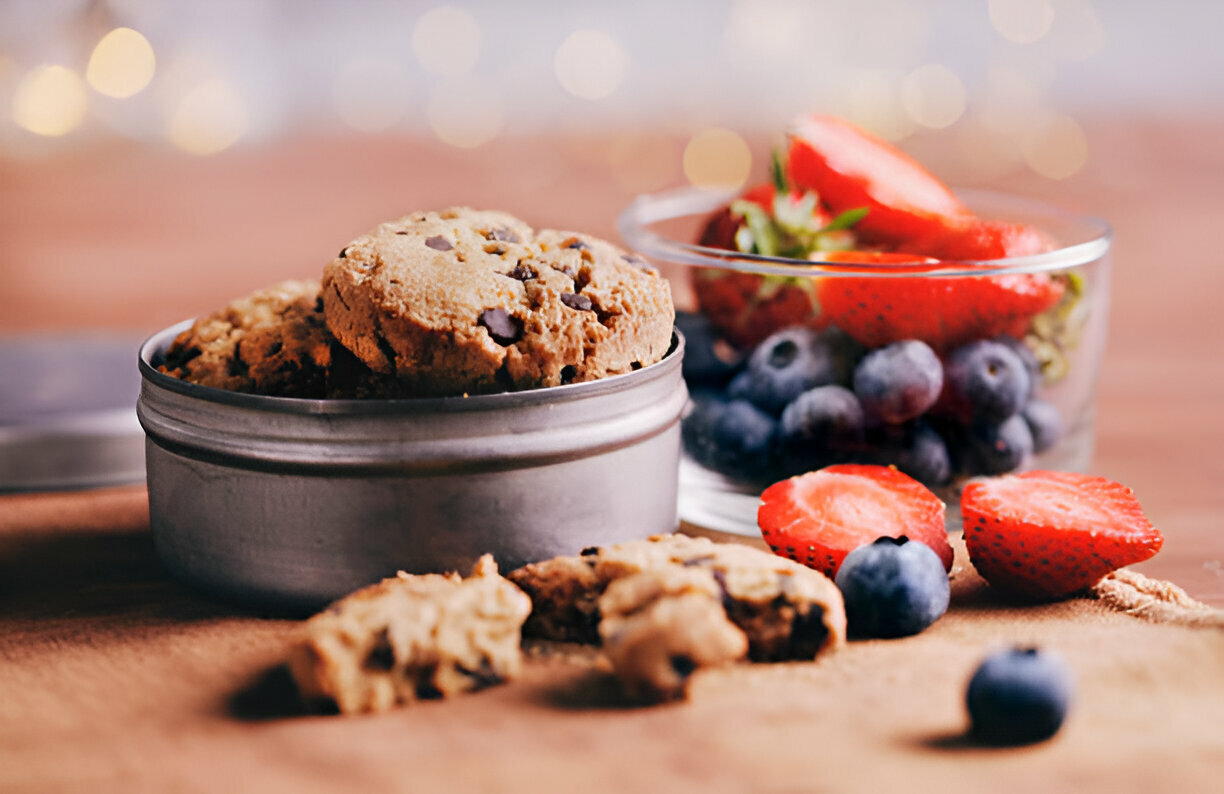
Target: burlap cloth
[[114, 678]]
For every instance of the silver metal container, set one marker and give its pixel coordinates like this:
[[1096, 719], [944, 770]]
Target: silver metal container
[[291, 503]]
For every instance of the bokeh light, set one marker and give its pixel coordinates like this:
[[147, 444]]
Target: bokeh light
[[446, 40], [122, 64], [769, 30], [50, 101], [717, 158], [465, 113], [1056, 148], [1079, 33], [590, 64], [933, 96], [1022, 21], [208, 119], [875, 104], [371, 95]]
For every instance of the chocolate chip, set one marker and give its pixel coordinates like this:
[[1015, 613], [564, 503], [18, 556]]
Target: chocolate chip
[[503, 234], [575, 301], [568, 373], [575, 243], [344, 253], [589, 551], [523, 273], [381, 656], [424, 684], [438, 243], [504, 328], [483, 676], [808, 633], [683, 665], [402, 231]]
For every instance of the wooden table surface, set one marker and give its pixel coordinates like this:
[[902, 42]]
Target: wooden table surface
[[114, 678]]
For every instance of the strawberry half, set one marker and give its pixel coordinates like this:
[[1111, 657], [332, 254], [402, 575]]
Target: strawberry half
[[746, 308], [983, 240], [943, 311], [850, 168], [818, 518], [1048, 534]]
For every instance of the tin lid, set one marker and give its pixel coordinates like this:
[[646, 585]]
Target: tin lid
[[68, 412]]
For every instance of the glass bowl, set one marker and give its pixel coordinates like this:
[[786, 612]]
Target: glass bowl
[[1060, 348]]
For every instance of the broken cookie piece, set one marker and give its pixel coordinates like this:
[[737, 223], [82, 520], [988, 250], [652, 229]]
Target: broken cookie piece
[[787, 611], [410, 638], [659, 628]]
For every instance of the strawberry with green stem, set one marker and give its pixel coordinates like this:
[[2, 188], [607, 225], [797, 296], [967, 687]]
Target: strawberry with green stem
[[770, 220]]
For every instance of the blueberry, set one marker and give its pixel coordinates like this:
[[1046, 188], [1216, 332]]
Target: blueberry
[[1019, 696], [893, 587], [1026, 355], [707, 359], [998, 448], [986, 381], [819, 424], [847, 352], [898, 382], [787, 364], [732, 437], [916, 449], [1044, 423]]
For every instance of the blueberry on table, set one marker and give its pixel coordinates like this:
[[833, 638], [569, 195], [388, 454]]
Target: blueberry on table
[[998, 448], [986, 381], [893, 587], [733, 437], [820, 423], [898, 382], [787, 364], [1019, 696], [1044, 423]]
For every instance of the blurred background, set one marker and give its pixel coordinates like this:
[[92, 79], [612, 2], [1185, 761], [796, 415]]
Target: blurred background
[[192, 150]]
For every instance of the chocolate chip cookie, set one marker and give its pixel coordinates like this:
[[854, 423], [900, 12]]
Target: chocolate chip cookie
[[787, 611], [659, 627], [469, 301], [274, 341], [411, 638]]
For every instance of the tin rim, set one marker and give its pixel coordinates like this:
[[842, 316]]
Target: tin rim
[[412, 435]]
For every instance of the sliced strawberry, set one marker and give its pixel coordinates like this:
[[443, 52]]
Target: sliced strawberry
[[942, 311], [1048, 534], [819, 517], [984, 240], [850, 168], [745, 308]]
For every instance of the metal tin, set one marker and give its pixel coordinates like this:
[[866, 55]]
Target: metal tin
[[292, 503], [67, 412]]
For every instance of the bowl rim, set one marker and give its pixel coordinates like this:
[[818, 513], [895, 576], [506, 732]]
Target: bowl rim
[[635, 221], [157, 342]]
